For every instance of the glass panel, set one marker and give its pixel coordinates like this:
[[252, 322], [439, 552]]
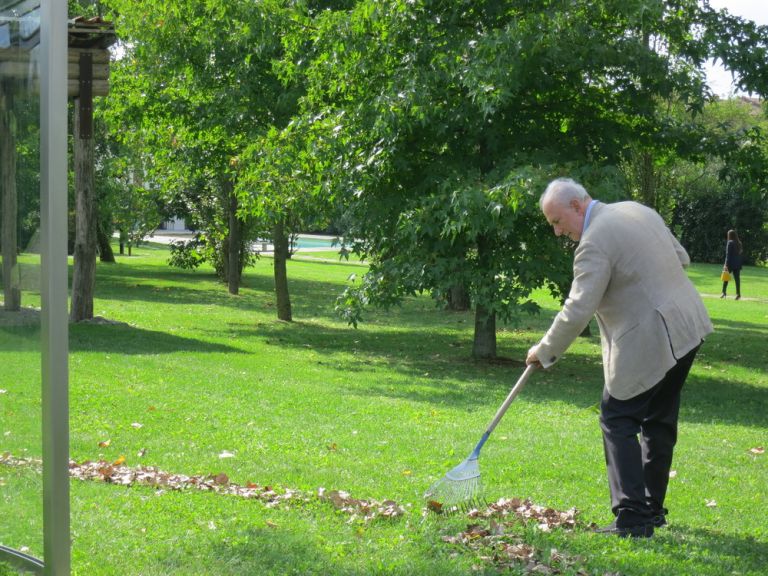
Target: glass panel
[[21, 516]]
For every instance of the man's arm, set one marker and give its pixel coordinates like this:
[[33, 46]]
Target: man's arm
[[591, 274]]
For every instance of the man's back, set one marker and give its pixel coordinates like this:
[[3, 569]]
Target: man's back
[[649, 313]]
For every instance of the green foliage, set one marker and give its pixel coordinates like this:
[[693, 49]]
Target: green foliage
[[722, 186], [187, 254], [283, 179], [448, 115], [124, 202], [492, 241], [706, 209], [191, 96], [405, 123]]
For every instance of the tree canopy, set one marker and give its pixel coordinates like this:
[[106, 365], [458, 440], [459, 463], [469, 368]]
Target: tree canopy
[[453, 115], [424, 131]]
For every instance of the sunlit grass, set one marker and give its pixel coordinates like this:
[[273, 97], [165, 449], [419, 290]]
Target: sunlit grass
[[191, 373]]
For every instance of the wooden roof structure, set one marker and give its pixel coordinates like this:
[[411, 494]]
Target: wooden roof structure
[[88, 40]]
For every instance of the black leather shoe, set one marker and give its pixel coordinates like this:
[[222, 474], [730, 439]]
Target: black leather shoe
[[660, 518], [636, 531]]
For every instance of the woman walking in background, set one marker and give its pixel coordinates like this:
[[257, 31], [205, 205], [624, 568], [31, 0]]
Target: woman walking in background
[[733, 262]]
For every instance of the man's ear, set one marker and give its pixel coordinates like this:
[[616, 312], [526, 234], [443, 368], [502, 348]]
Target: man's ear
[[576, 205]]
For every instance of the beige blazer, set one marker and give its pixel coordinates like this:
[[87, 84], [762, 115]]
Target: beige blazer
[[628, 273]]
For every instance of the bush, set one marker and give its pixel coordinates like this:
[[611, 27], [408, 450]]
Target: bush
[[705, 212]]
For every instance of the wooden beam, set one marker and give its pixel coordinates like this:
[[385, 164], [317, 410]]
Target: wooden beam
[[19, 69], [14, 63], [100, 55], [100, 88]]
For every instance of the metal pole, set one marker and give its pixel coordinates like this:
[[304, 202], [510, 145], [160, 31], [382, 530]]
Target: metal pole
[[54, 289]]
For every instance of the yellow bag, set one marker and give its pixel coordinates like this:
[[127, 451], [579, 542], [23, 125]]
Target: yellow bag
[[725, 276]]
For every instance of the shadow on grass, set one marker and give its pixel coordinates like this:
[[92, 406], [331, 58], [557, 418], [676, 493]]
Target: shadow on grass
[[123, 339], [720, 553], [417, 341], [691, 550], [277, 551], [577, 379], [167, 287], [309, 298]]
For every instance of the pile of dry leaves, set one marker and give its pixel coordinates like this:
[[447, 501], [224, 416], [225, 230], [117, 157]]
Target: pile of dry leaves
[[118, 473], [365, 509], [490, 535], [495, 544]]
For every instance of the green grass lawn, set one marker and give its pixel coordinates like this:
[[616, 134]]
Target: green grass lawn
[[198, 382]]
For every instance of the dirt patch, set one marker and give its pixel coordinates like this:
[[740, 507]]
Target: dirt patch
[[22, 317], [32, 317]]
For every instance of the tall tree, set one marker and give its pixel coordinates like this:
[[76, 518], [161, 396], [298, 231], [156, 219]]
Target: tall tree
[[9, 195], [84, 269], [201, 87], [454, 114], [284, 188]]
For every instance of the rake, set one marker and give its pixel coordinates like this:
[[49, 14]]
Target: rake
[[460, 487]]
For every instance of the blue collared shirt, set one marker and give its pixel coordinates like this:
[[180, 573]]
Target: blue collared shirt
[[586, 216]]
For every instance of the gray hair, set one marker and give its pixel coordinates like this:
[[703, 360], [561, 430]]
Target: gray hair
[[562, 191]]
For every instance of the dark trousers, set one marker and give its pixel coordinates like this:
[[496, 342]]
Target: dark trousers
[[639, 436], [736, 278]]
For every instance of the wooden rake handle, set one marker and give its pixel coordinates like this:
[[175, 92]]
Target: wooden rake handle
[[502, 409], [511, 396]]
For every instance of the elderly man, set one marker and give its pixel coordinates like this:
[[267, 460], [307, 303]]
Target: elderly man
[[628, 273]]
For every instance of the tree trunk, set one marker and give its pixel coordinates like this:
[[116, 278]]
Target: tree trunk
[[485, 321], [105, 247], [458, 298], [280, 242], [648, 181], [233, 252], [484, 346], [84, 271], [10, 202]]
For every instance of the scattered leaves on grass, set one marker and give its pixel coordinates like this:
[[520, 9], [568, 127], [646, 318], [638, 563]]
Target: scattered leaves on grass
[[8, 459], [151, 476], [105, 443], [710, 503], [492, 542], [365, 509], [495, 545], [226, 454], [511, 552], [119, 474], [526, 511], [757, 450]]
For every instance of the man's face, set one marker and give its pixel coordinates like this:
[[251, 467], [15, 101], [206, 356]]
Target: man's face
[[565, 219]]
